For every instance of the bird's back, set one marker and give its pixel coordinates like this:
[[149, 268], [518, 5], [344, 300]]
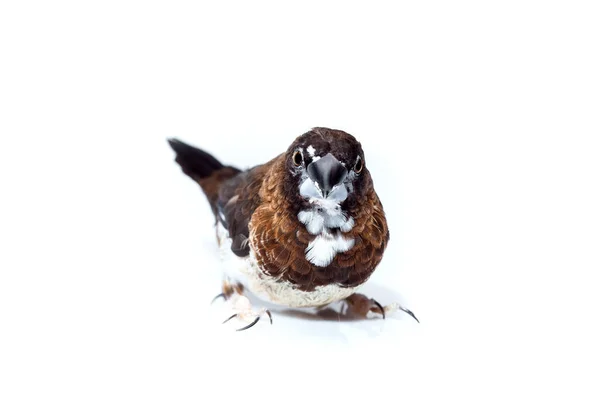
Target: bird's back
[[232, 194]]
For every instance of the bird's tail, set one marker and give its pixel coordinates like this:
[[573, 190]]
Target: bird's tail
[[195, 163], [202, 168]]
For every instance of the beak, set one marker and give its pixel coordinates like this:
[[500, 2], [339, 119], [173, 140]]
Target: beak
[[327, 172]]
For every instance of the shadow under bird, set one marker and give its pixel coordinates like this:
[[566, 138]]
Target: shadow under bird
[[305, 229]]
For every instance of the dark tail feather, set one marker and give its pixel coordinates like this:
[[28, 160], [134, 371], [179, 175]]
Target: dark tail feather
[[195, 163], [206, 170]]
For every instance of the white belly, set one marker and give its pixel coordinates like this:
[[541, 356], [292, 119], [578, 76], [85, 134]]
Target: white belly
[[246, 271]]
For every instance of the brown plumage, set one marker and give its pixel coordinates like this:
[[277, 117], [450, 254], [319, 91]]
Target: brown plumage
[[308, 221], [280, 239]]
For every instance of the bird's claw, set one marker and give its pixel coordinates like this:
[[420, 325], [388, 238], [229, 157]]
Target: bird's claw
[[361, 305], [393, 307], [241, 305], [241, 315], [217, 296], [380, 307]]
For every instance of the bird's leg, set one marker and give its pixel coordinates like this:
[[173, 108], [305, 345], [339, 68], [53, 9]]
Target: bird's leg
[[361, 305], [244, 311], [242, 308], [217, 231]]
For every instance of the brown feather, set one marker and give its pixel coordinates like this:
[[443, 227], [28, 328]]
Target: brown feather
[[282, 233]]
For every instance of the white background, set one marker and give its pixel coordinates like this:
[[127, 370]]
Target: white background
[[480, 125]]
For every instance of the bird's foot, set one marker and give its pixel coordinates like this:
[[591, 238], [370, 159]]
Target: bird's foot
[[232, 293], [243, 311], [361, 305]]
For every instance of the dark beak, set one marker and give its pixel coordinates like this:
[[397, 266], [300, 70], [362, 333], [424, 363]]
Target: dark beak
[[327, 172]]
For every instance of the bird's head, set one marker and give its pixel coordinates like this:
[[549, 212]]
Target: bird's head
[[327, 174]]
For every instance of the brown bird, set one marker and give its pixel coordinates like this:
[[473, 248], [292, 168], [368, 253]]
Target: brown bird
[[305, 229]]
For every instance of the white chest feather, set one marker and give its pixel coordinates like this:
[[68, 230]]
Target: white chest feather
[[323, 248], [320, 221]]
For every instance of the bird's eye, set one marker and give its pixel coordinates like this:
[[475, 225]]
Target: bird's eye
[[297, 158], [358, 166]]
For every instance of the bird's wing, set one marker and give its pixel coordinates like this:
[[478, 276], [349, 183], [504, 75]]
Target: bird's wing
[[238, 198]]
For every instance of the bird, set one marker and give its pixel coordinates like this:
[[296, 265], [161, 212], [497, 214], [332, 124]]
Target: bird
[[304, 229]]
